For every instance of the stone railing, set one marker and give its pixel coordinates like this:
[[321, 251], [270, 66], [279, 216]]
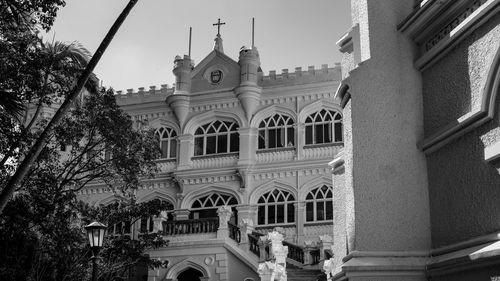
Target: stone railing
[[166, 165], [183, 227], [215, 161], [295, 252], [270, 156], [234, 232], [322, 151]]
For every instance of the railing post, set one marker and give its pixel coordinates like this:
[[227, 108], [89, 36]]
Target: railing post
[[325, 244], [270, 271], [262, 248], [309, 246], [224, 213], [158, 222]]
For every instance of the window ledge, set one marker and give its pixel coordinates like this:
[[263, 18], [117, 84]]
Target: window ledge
[[314, 223], [266, 150], [309, 146], [218, 155]]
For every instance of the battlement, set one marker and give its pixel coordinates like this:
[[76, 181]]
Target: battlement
[[154, 93], [311, 74]]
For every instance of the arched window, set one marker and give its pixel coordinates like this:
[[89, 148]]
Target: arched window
[[276, 131], [216, 137], [324, 126], [168, 142], [319, 204], [206, 206], [276, 207]]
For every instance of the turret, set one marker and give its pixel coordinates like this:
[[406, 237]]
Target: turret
[[179, 101], [249, 91]]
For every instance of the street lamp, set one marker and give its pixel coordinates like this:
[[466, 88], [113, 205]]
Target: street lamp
[[95, 232]]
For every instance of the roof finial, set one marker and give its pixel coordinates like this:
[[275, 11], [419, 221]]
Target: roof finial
[[218, 26], [218, 39], [253, 32], [190, 30]]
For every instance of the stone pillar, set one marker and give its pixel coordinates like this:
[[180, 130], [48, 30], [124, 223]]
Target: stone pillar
[[271, 271], [248, 146], [181, 214], [262, 248], [309, 246], [300, 140], [300, 210], [158, 222], [186, 151], [326, 243], [246, 218], [224, 213]]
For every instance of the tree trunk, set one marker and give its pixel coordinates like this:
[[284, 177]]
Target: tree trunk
[[32, 155]]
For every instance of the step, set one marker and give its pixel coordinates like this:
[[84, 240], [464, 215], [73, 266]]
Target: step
[[303, 274]]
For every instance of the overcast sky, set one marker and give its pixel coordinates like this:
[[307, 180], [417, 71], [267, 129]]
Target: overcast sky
[[288, 34]]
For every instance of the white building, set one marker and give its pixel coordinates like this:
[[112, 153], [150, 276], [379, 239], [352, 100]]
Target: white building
[[231, 136]]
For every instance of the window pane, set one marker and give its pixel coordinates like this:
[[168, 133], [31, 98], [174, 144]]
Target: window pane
[[280, 214], [309, 134], [319, 133], [261, 215], [198, 146], [272, 138], [222, 144], [338, 131], [291, 137], [164, 149], [290, 212], [329, 210], [127, 227], [271, 214], [328, 132], [234, 142], [262, 139], [173, 148], [281, 137], [309, 211], [320, 211], [144, 225], [211, 144]]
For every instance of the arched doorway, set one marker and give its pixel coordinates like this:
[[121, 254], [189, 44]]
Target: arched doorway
[[190, 274]]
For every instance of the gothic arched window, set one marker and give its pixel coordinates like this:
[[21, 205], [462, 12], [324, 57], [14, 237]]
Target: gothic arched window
[[324, 126], [216, 137], [319, 204], [168, 142], [206, 206], [276, 206], [276, 131]]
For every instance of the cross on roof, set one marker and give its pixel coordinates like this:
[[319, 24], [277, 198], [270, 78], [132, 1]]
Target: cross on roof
[[218, 26]]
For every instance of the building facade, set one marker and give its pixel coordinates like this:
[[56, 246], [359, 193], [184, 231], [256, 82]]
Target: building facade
[[242, 154], [422, 142]]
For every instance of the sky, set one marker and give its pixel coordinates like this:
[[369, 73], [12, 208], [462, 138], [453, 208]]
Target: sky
[[288, 34]]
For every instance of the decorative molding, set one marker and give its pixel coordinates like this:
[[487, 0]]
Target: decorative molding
[[275, 156], [200, 119], [269, 186], [470, 120], [458, 28], [189, 197], [270, 111]]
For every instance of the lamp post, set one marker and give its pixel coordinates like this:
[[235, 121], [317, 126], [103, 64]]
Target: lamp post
[[95, 232]]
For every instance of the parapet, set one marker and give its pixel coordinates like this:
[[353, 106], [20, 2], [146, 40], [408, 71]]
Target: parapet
[[142, 95], [300, 76]]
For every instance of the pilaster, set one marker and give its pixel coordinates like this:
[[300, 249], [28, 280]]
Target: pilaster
[[186, 151], [248, 146], [300, 140], [224, 213], [300, 209]]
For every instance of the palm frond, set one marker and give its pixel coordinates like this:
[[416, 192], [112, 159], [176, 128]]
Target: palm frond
[[11, 104]]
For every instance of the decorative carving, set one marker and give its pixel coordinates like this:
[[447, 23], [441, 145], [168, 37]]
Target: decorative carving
[[328, 268], [224, 213]]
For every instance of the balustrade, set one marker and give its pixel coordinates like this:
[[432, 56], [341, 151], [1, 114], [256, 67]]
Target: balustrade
[[234, 232], [295, 252], [284, 154], [215, 161], [198, 226], [315, 256], [253, 240]]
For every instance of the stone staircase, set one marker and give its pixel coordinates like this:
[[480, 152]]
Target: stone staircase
[[302, 274]]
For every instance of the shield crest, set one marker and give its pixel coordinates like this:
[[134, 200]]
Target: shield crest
[[215, 76]]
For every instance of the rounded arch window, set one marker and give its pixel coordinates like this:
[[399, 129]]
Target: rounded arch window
[[168, 142], [206, 206], [319, 204], [324, 126], [216, 137], [276, 131], [275, 207]]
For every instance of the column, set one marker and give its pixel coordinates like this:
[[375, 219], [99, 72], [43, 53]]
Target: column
[[247, 216], [300, 210], [300, 140], [186, 151], [224, 213], [248, 146]]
